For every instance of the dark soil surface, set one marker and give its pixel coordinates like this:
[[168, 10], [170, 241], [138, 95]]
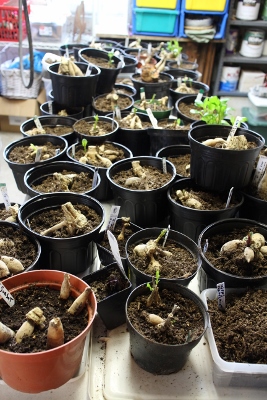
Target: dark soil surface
[[48, 218], [234, 263], [58, 130], [240, 331], [100, 62], [181, 264], [187, 322], [118, 154], [110, 282], [185, 108], [27, 154], [209, 200], [129, 230], [52, 306], [16, 244], [86, 127], [6, 213], [104, 104], [180, 163], [154, 179], [81, 183]]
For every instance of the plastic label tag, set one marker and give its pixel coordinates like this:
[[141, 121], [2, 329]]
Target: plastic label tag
[[229, 197], [221, 295], [260, 170], [67, 54], [57, 152], [37, 122], [73, 150], [115, 249], [166, 235], [50, 108], [38, 154], [236, 125], [142, 93], [6, 200], [200, 95], [113, 217], [126, 43], [95, 178], [153, 120], [178, 59], [6, 295], [206, 245], [149, 48], [118, 112], [89, 70], [179, 81], [120, 64], [164, 165]]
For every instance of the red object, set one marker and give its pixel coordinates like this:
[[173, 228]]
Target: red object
[[9, 22]]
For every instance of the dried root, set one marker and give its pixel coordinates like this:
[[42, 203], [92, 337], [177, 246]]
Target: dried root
[[5, 333], [80, 302], [55, 334]]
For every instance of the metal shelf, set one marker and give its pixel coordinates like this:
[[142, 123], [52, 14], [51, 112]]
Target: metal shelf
[[236, 58], [249, 24], [234, 93]]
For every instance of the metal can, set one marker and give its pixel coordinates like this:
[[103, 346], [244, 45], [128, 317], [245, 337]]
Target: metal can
[[253, 43]]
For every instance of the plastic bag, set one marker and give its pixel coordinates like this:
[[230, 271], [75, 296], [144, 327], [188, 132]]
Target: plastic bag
[[37, 61]]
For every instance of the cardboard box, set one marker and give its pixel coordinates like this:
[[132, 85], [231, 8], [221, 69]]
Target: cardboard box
[[14, 112], [248, 79]]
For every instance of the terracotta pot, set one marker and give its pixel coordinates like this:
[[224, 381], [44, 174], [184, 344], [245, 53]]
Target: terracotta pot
[[46, 370]]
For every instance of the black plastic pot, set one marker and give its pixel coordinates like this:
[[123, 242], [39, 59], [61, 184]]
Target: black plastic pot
[[19, 170], [219, 169], [103, 191], [159, 358], [189, 99], [112, 308], [173, 151], [130, 64], [131, 91], [73, 112], [190, 221], [105, 254], [14, 228], [74, 254], [182, 73], [185, 64], [102, 112], [160, 138], [36, 175], [108, 75], [224, 227], [122, 44], [160, 89], [198, 123], [3, 208], [137, 140], [145, 207], [138, 277], [253, 208], [51, 121], [74, 91], [95, 140], [174, 96], [73, 48]]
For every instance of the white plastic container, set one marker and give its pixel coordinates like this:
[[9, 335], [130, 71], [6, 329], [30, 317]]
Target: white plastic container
[[230, 373], [248, 10], [258, 105], [229, 79], [253, 43]]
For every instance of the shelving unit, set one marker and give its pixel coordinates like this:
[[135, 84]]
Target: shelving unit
[[236, 59]]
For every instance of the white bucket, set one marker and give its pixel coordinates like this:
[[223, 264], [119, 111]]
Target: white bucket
[[229, 79], [252, 44], [248, 10]]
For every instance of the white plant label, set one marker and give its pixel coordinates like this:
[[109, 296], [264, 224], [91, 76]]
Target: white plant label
[[67, 54], [113, 217], [199, 96], [37, 122], [38, 154], [149, 48], [118, 112], [166, 236], [50, 108], [206, 245], [88, 70], [73, 150], [142, 93], [120, 64], [6, 200], [9, 299], [179, 81], [153, 120], [221, 295], [126, 43], [95, 178], [115, 249], [57, 152], [229, 197], [236, 125], [260, 170], [164, 165]]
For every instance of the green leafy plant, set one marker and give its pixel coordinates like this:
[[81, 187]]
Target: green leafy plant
[[151, 288], [174, 48], [110, 57], [214, 111], [84, 144]]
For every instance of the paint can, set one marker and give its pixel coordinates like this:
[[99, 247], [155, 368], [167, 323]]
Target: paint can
[[229, 78], [252, 43], [248, 10]]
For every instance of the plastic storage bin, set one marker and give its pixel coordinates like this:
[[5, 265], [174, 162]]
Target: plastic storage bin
[[169, 4], [206, 5], [258, 125], [155, 22], [230, 373], [9, 23], [258, 106], [220, 20]]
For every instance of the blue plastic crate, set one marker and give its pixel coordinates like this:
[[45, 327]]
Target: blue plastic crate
[[219, 19], [155, 22], [205, 6]]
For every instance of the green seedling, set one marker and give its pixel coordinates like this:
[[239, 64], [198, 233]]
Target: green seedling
[[151, 288], [110, 57], [174, 48], [154, 297], [84, 144], [95, 126], [33, 148], [212, 110]]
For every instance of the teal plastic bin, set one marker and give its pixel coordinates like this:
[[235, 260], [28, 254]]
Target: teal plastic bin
[[255, 124], [154, 21]]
